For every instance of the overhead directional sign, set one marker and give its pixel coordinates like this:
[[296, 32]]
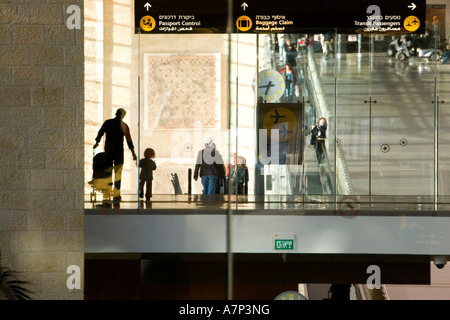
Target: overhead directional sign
[[181, 16], [362, 16], [274, 16]]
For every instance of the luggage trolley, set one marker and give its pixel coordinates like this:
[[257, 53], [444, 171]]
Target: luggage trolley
[[101, 177]]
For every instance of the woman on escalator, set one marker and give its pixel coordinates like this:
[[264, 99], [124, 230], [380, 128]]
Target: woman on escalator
[[319, 133]]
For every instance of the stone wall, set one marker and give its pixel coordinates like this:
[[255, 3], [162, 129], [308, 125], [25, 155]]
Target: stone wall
[[41, 144]]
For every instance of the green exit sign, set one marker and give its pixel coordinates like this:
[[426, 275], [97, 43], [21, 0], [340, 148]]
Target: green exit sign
[[284, 244]]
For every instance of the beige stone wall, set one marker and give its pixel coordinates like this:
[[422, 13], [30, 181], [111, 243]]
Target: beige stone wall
[[41, 144]]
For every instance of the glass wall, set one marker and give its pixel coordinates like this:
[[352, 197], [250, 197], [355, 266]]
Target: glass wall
[[236, 92], [380, 112], [385, 114]]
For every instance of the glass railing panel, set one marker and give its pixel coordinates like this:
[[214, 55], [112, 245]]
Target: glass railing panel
[[442, 100], [402, 119], [352, 86]]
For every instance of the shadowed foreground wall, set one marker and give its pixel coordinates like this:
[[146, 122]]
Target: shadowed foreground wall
[[41, 144]]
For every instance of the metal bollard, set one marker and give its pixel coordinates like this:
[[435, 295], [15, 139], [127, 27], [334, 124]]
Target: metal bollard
[[189, 181]]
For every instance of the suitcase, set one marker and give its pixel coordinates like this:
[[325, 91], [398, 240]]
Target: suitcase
[[101, 176]]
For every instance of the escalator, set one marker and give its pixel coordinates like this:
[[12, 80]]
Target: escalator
[[292, 168]]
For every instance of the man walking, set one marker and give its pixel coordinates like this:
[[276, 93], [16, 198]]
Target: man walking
[[115, 130]]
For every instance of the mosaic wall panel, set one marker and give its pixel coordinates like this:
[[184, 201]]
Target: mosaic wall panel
[[181, 91]]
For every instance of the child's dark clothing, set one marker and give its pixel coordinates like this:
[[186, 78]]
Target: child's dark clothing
[[146, 176]]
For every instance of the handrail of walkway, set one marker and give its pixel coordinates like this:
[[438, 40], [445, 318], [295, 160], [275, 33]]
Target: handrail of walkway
[[325, 171], [321, 106]]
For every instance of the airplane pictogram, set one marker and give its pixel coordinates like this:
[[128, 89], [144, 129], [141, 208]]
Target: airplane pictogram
[[284, 132], [276, 116]]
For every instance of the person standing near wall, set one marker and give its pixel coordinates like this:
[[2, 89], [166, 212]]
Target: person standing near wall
[[291, 52], [209, 166], [115, 130], [238, 177]]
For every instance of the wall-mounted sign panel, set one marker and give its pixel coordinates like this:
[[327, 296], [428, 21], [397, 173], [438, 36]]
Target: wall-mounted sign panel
[[348, 16], [181, 16], [284, 242], [287, 16]]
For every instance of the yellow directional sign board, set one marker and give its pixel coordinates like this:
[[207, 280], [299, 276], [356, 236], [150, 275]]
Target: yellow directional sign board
[[280, 16], [180, 16]]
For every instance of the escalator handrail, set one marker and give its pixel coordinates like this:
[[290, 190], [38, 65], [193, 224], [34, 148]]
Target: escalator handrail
[[321, 106]]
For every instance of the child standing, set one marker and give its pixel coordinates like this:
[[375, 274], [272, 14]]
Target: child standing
[[147, 166]]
